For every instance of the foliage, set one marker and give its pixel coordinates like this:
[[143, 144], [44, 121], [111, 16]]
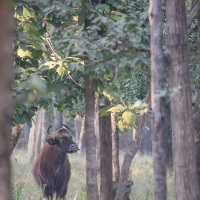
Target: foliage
[[125, 116], [54, 51]]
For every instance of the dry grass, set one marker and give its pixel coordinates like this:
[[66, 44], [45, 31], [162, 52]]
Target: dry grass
[[24, 187]]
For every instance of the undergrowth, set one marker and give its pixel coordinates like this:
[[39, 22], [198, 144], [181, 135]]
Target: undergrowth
[[141, 173]]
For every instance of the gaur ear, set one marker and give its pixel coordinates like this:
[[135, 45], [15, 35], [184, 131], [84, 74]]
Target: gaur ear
[[52, 141]]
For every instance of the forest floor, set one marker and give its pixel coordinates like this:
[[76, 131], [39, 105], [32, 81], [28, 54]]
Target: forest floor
[[141, 173]]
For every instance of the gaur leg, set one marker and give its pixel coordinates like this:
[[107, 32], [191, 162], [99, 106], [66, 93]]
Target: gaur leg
[[62, 198], [48, 193], [49, 198], [62, 193]]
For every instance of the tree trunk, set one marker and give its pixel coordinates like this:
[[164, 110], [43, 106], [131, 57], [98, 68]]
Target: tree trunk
[[38, 134], [146, 144], [32, 138], [130, 155], [82, 135], [58, 120], [6, 73], [105, 157], [196, 116], [169, 153], [96, 122], [26, 133], [115, 151], [45, 125], [78, 124], [184, 154], [58, 117], [158, 125], [91, 167], [198, 40], [15, 136]]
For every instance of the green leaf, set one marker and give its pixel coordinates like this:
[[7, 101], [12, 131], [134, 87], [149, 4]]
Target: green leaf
[[23, 53], [110, 94], [60, 70], [28, 13], [50, 64], [129, 118], [120, 125], [19, 10], [137, 104], [104, 111], [116, 109], [22, 46]]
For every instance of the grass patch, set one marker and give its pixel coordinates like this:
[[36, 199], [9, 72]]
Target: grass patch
[[141, 173]]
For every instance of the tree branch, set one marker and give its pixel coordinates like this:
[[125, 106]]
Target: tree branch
[[130, 154], [193, 12]]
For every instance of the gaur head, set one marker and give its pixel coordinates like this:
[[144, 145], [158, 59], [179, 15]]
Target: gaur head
[[63, 140]]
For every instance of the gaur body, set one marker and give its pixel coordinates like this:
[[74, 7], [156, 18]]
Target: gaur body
[[52, 168]]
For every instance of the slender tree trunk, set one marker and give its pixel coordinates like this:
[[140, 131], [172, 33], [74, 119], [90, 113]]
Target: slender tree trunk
[[15, 136], [38, 134], [58, 120], [184, 154], [130, 155], [146, 144], [45, 125], [32, 138], [91, 167], [196, 116], [82, 135], [26, 133], [105, 157], [96, 122], [78, 124], [158, 126], [115, 151], [6, 73], [58, 117]]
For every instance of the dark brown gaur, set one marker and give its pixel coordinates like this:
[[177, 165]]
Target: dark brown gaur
[[52, 168]]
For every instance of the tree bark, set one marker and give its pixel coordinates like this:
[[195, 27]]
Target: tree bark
[[196, 116], [158, 125], [45, 125], [184, 154], [130, 155], [97, 133], [105, 157], [32, 138], [26, 133], [15, 136], [91, 167], [115, 151], [58, 119], [82, 135], [38, 134], [78, 124], [6, 73]]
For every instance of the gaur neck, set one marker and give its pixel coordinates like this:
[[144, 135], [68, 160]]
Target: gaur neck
[[61, 156]]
